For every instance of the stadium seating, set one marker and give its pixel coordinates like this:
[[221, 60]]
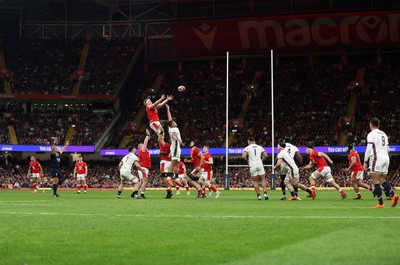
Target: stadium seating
[[51, 66], [41, 127]]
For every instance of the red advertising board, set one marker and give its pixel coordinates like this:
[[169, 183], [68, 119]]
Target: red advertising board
[[288, 34]]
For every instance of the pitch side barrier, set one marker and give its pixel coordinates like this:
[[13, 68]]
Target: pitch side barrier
[[185, 151], [45, 148], [239, 150]]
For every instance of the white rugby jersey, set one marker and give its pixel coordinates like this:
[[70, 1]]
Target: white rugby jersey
[[287, 160], [128, 161], [291, 149], [254, 152], [174, 138], [377, 146]]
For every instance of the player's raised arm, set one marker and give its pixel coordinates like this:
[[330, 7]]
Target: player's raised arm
[[146, 140], [168, 113], [156, 102], [170, 97], [64, 148]]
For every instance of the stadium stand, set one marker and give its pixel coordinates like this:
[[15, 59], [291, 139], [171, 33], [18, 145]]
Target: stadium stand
[[52, 66]]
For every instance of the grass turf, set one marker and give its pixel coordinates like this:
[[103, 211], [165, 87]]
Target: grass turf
[[96, 228]]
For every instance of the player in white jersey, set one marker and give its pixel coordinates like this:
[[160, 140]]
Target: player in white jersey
[[125, 170], [176, 142], [286, 162], [377, 154], [255, 155], [294, 153]]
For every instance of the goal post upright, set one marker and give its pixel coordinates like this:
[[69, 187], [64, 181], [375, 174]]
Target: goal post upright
[[227, 180], [273, 177]]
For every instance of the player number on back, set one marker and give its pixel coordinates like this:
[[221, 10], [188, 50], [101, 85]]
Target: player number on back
[[383, 141]]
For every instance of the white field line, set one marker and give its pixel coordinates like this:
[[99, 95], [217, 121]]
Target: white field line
[[204, 216], [23, 201]]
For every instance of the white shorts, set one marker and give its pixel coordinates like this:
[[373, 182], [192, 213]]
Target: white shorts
[[144, 174], [379, 164], [197, 173], [127, 175], [156, 126], [80, 177], [325, 172], [290, 175], [257, 170], [175, 152], [359, 175], [35, 175], [164, 166], [284, 170], [181, 176], [207, 175]]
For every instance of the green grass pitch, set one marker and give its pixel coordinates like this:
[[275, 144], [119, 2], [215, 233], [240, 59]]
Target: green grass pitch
[[96, 228]]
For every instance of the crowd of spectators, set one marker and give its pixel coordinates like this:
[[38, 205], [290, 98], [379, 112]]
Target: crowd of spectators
[[51, 66], [106, 64], [378, 97], [42, 66], [42, 126]]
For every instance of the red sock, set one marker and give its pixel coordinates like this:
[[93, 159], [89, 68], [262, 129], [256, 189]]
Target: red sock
[[85, 187], [370, 187], [187, 188], [34, 186], [359, 195], [204, 190], [313, 188], [213, 188], [169, 190], [177, 188], [42, 185], [79, 187], [342, 192]]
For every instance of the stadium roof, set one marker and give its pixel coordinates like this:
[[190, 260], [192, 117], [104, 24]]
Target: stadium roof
[[134, 10]]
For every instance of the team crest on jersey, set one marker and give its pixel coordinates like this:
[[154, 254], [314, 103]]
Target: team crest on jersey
[[377, 168]]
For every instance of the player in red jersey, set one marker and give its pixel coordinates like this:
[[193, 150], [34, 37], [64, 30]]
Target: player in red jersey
[[165, 164], [181, 181], [357, 172], [152, 112], [206, 178], [145, 163], [197, 158], [318, 159], [36, 172], [81, 171]]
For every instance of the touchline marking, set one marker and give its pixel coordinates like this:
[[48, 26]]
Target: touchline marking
[[23, 201], [204, 216]]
